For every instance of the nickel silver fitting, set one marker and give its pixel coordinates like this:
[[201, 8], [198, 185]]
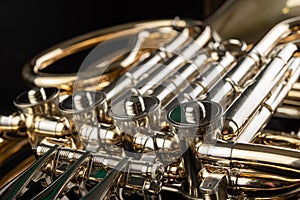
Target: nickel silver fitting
[[36, 103], [194, 112], [134, 105], [137, 111], [200, 120], [85, 108], [39, 102]]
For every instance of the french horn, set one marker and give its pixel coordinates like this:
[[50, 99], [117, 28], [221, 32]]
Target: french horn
[[158, 109]]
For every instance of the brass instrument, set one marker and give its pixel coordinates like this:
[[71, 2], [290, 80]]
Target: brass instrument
[[159, 109]]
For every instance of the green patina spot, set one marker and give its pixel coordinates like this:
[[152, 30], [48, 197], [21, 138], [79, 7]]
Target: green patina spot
[[175, 115], [99, 173]]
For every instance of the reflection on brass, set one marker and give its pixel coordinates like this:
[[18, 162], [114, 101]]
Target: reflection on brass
[[12, 144], [17, 170], [178, 112]]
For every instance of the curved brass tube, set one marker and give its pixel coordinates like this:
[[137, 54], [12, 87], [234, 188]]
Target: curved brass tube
[[232, 18], [276, 138], [115, 137], [256, 184], [258, 157], [32, 70]]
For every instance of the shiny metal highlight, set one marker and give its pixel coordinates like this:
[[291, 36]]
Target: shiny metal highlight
[[190, 116]]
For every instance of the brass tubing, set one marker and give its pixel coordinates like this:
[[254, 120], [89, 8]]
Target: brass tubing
[[173, 65], [263, 158], [292, 102], [148, 65], [188, 53], [204, 76], [252, 63], [253, 183], [32, 70], [285, 162], [257, 184], [296, 85], [287, 111], [294, 94], [110, 161], [12, 123], [270, 104], [262, 79], [208, 77], [16, 149], [276, 138], [171, 87], [204, 81], [242, 110]]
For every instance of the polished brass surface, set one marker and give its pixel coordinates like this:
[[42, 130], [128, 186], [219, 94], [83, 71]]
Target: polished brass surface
[[12, 144], [180, 112], [33, 73]]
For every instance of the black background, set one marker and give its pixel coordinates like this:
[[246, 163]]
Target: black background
[[31, 26]]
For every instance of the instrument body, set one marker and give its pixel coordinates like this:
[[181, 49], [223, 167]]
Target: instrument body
[[160, 108]]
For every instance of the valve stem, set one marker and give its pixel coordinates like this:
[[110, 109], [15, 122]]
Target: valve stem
[[36, 95], [81, 102], [194, 112], [134, 105]]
